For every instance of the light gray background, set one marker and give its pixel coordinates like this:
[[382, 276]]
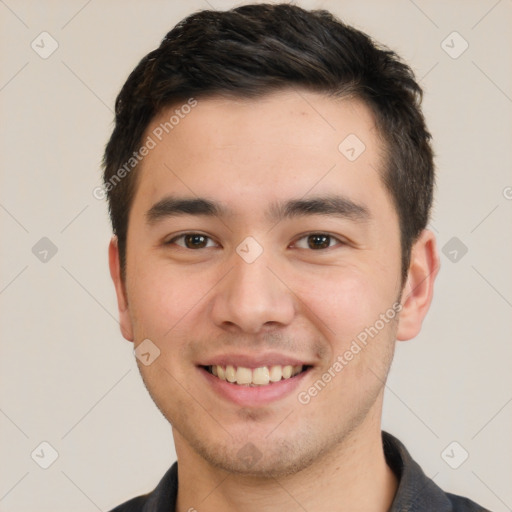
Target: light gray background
[[67, 375]]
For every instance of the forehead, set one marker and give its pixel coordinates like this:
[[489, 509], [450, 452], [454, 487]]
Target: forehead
[[284, 144]]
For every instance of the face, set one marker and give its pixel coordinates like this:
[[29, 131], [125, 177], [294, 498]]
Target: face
[[260, 251]]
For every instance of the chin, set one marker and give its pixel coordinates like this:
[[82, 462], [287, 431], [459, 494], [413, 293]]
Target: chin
[[264, 456], [250, 461]]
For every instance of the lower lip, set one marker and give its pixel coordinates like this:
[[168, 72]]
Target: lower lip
[[247, 396]]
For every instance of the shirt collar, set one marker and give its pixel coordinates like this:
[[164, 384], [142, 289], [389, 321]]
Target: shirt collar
[[416, 492]]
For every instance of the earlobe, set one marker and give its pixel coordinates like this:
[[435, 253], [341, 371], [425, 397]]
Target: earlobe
[[122, 302], [419, 288]]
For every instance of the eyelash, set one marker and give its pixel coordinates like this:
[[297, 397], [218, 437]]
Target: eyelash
[[193, 233]]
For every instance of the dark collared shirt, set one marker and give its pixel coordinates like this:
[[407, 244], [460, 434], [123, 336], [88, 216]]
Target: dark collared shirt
[[415, 493]]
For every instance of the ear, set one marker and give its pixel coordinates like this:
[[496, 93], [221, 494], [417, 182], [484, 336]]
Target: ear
[[122, 301], [419, 287]]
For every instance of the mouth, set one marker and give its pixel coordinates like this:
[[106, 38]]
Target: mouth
[[255, 377], [254, 380]]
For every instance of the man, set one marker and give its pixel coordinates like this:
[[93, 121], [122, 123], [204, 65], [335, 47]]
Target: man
[[270, 179]]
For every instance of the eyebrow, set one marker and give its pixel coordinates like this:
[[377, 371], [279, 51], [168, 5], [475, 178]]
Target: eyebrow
[[173, 206], [330, 205]]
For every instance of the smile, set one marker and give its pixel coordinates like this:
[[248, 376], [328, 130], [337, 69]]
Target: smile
[[261, 376]]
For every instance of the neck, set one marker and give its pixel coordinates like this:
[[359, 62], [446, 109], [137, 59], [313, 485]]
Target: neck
[[352, 477]]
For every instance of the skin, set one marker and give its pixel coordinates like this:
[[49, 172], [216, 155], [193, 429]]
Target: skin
[[196, 303]]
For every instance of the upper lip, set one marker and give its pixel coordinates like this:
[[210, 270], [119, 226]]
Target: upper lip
[[254, 360]]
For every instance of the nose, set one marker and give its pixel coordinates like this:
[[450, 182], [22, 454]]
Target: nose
[[252, 297]]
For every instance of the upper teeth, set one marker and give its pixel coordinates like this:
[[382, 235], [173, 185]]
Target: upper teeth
[[258, 376]]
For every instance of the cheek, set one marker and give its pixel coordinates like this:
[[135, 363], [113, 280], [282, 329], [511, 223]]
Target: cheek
[[347, 308], [160, 299], [344, 301]]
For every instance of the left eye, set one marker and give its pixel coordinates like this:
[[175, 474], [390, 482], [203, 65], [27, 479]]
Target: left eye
[[316, 241], [193, 241]]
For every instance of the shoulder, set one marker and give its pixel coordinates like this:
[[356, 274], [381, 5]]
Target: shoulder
[[134, 505], [461, 504], [161, 499], [416, 492]]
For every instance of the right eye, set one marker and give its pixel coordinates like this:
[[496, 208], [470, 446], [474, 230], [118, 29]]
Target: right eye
[[192, 241]]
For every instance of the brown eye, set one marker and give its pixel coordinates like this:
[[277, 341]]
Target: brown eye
[[195, 241], [192, 241], [319, 241]]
